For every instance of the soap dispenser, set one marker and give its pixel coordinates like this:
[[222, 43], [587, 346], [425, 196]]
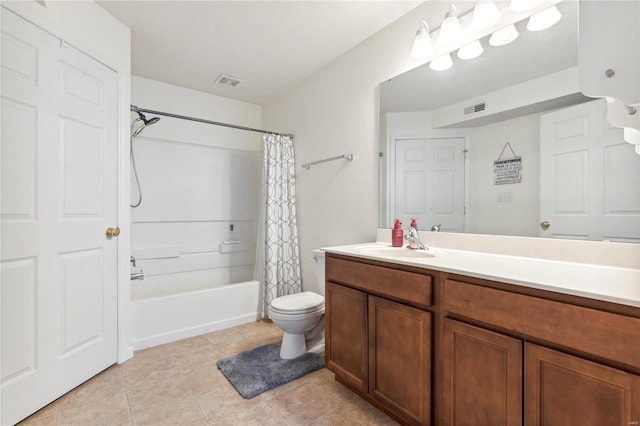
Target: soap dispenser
[[414, 224], [396, 234]]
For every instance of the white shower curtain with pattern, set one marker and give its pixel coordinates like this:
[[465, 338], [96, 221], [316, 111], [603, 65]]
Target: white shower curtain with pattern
[[277, 258]]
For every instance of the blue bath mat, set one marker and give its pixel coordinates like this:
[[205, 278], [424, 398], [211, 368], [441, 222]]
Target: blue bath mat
[[261, 369]]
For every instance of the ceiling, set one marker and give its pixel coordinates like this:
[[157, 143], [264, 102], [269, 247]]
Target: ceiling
[[270, 45]]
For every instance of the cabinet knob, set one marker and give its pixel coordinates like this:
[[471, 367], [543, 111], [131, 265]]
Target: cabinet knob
[[609, 73], [544, 225]]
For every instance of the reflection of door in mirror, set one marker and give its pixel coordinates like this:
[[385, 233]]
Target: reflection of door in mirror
[[429, 182], [589, 177]]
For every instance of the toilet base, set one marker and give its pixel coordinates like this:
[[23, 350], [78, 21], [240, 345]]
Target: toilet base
[[293, 345]]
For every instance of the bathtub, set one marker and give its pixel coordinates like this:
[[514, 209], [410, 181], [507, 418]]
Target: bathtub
[[167, 318]]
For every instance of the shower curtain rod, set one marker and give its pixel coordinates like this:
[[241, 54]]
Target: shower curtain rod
[[202, 120]]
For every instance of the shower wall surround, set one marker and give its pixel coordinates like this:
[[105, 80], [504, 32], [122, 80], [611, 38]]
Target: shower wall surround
[[197, 180]]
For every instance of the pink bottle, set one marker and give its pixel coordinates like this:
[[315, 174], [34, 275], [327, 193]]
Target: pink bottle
[[396, 234]]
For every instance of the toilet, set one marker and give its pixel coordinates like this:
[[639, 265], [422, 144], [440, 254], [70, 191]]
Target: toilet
[[301, 317]]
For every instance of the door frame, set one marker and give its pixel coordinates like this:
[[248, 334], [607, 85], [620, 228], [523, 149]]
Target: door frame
[[115, 53], [390, 161]]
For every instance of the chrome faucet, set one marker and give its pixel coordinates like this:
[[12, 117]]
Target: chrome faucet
[[413, 237]]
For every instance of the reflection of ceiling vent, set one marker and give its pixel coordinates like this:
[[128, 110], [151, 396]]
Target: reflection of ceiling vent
[[227, 81], [475, 108]]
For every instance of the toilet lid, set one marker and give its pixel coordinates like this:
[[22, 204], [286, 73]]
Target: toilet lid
[[306, 301]]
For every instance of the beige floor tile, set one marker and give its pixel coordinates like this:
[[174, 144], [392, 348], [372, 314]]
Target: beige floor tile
[[224, 402], [302, 404], [109, 409], [202, 377], [185, 412], [328, 385], [108, 382], [157, 394], [179, 383], [340, 417], [259, 415], [365, 413], [44, 417]]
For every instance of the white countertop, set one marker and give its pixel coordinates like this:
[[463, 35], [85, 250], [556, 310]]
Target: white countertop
[[611, 284]]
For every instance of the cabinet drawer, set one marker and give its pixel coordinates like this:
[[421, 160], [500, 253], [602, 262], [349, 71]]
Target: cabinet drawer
[[602, 334], [409, 287]]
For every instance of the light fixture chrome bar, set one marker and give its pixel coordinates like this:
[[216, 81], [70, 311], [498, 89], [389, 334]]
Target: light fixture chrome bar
[[202, 120], [339, 157]]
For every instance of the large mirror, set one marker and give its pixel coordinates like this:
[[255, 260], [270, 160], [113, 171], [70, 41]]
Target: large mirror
[[506, 144]]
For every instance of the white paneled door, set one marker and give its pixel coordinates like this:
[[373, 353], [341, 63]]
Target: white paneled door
[[429, 182], [589, 177], [58, 159]]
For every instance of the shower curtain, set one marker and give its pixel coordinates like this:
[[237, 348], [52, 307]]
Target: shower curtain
[[277, 258]]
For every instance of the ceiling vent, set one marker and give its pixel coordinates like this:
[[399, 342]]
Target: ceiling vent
[[475, 108], [227, 81]]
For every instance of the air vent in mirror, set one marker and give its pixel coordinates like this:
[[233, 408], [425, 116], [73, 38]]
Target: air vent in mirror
[[475, 108]]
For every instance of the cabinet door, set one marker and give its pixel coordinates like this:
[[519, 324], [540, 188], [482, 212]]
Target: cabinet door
[[400, 359], [346, 334], [482, 373], [561, 389]]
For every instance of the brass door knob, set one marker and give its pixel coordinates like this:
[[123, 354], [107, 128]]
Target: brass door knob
[[544, 225], [112, 232]]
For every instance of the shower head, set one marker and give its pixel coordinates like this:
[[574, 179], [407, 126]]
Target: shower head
[[144, 124], [150, 121]]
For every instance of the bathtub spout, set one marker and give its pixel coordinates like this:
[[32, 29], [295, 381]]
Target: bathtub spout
[[137, 275]]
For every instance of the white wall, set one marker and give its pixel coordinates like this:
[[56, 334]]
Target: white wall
[[486, 214], [336, 112], [196, 179]]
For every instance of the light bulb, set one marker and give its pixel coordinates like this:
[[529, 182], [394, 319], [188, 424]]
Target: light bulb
[[504, 36], [471, 50], [485, 14], [450, 30], [422, 46], [632, 136], [544, 19], [441, 63]]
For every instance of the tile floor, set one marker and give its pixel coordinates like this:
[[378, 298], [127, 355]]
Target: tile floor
[[179, 384]]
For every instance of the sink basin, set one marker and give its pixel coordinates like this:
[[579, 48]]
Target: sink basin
[[395, 252]]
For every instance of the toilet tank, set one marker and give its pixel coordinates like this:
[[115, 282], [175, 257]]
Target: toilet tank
[[318, 257]]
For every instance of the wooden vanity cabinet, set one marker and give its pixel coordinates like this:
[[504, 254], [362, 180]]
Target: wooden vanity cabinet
[[379, 336], [501, 342], [346, 331], [481, 352], [482, 376]]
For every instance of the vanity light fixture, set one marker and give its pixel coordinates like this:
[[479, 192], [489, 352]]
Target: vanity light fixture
[[485, 14], [523, 5], [471, 50], [544, 19], [450, 30], [504, 36], [441, 63], [422, 46]]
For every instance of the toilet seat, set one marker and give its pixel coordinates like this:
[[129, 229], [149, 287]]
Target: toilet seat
[[298, 303]]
